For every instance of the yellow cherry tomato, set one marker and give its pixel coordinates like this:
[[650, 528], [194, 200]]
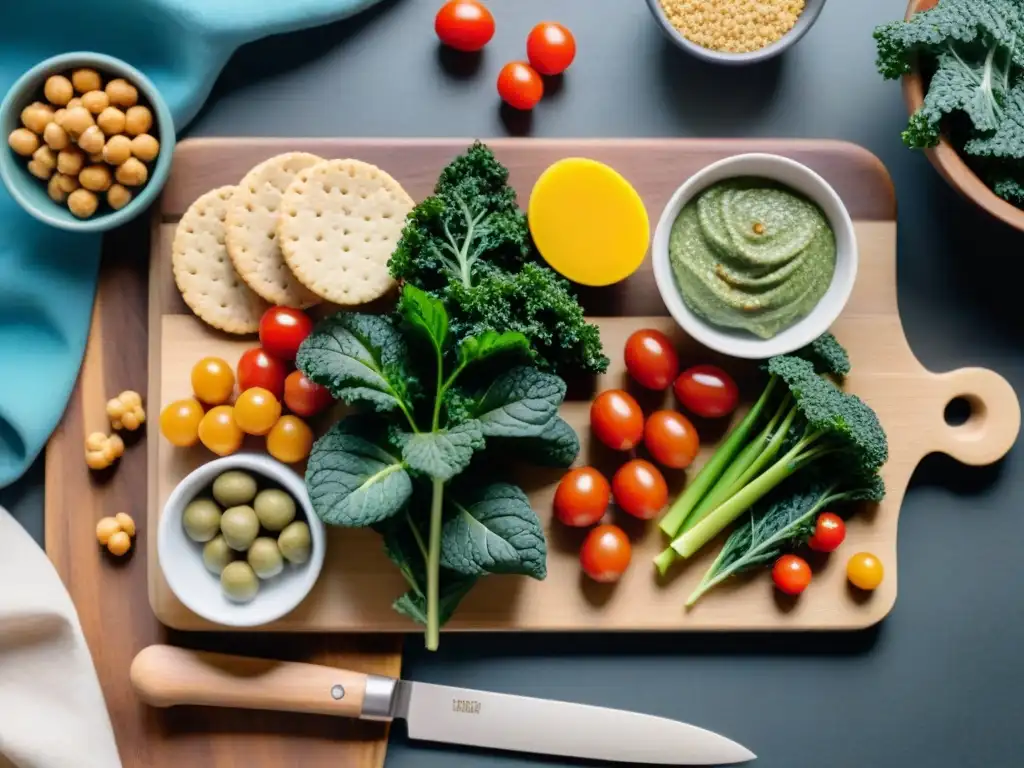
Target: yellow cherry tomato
[[179, 422], [219, 432], [290, 440], [257, 410], [213, 381], [865, 571]]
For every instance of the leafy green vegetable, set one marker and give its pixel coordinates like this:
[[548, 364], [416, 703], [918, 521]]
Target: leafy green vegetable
[[557, 446], [442, 453], [520, 403], [469, 244]]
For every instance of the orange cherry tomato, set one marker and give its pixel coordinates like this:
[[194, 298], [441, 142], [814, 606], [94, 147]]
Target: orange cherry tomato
[[791, 574], [179, 422], [465, 25], [219, 432], [519, 85], [651, 359], [606, 553], [256, 411], [865, 571], [672, 439], [550, 48], [213, 381], [640, 489], [829, 532], [707, 391], [582, 497], [290, 440], [303, 397], [617, 420]]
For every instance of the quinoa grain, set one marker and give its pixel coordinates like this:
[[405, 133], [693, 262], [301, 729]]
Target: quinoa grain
[[733, 26]]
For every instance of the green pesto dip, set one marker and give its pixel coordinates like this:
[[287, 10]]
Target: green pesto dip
[[752, 254]]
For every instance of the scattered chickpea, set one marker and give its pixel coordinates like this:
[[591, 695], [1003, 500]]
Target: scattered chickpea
[[106, 528], [118, 197], [36, 116], [77, 120], [55, 137], [119, 544], [45, 157], [86, 80], [55, 190], [116, 533], [117, 150], [101, 450], [122, 93], [70, 161], [96, 178], [127, 524], [67, 183], [92, 140], [83, 204], [111, 121], [58, 90], [145, 147], [95, 101], [125, 411], [75, 102], [132, 173], [23, 141], [137, 120]]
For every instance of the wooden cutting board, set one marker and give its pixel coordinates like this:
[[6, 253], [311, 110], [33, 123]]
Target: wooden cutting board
[[111, 595], [358, 584]]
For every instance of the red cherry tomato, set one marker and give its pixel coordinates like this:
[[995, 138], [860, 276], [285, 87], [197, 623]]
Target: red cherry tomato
[[671, 438], [582, 497], [550, 48], [707, 391], [303, 397], [829, 532], [258, 369], [519, 85], [651, 359], [606, 553], [282, 330], [465, 25], [791, 574], [640, 489], [617, 420]]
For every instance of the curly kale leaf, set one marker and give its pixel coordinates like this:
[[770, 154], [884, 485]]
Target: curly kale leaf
[[1009, 185], [1007, 141]]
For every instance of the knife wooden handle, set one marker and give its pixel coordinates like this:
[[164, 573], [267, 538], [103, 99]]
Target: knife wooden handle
[[165, 676]]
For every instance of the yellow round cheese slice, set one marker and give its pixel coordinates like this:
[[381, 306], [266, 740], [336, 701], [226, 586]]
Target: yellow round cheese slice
[[588, 222]]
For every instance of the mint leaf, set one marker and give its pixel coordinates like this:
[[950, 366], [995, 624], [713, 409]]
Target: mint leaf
[[520, 403], [557, 446], [494, 530], [359, 358], [453, 588], [442, 454], [476, 348], [352, 480], [426, 314]]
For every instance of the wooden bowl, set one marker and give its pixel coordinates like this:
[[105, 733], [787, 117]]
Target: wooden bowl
[[945, 156]]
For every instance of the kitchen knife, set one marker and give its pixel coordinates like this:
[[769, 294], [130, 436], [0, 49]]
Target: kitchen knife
[[165, 676]]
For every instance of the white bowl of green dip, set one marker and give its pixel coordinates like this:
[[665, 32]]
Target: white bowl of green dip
[[755, 256]]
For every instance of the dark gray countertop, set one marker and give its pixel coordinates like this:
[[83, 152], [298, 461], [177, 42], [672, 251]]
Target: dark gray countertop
[[935, 684]]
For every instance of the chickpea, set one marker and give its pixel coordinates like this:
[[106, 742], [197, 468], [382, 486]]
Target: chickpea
[[68, 184], [95, 178], [86, 80], [45, 157], [106, 528], [75, 102], [125, 411], [118, 197], [125, 521], [137, 120], [23, 141], [36, 116], [111, 121], [77, 120], [132, 173], [58, 90], [70, 161], [119, 544], [95, 101], [145, 147], [117, 150], [39, 170], [55, 190], [55, 137], [83, 204], [122, 93], [92, 140], [59, 115]]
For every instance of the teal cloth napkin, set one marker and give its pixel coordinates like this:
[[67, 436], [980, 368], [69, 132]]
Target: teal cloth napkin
[[47, 276]]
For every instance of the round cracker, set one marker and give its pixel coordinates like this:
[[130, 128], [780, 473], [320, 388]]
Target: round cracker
[[252, 230], [203, 271], [340, 223]]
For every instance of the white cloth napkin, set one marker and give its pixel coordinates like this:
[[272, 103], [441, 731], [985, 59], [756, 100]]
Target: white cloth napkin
[[52, 713]]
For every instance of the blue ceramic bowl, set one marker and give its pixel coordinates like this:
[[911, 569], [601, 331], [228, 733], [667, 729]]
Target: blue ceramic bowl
[[30, 192]]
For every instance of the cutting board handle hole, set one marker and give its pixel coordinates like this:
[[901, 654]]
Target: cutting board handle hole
[[960, 410]]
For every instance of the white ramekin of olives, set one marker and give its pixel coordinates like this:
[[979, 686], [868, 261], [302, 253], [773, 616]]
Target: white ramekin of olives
[[238, 541]]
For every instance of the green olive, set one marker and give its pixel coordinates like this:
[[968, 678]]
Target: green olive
[[234, 488], [240, 527], [265, 558], [201, 519], [294, 543], [274, 508], [239, 582], [216, 555]]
